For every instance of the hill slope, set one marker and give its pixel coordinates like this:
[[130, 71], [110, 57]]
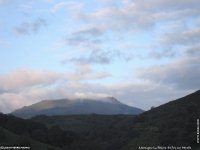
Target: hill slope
[[171, 124], [174, 123], [106, 106], [8, 138]]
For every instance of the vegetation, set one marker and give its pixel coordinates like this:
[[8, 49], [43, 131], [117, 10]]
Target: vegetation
[[12, 139], [171, 124]]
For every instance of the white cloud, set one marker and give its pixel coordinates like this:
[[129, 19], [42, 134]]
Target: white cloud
[[67, 5], [24, 78], [26, 86], [141, 93], [141, 15]]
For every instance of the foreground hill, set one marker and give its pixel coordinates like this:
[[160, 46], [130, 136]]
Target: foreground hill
[[8, 138], [108, 106], [171, 124], [174, 123]]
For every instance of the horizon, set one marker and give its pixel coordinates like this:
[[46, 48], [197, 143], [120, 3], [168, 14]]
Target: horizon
[[143, 53], [101, 99]]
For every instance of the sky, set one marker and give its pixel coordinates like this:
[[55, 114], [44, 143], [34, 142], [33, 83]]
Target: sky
[[142, 52]]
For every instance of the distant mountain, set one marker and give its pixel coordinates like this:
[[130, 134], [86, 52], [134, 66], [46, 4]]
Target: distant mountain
[[107, 106]]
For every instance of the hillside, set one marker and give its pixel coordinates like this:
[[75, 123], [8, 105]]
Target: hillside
[[107, 106], [172, 124], [27, 129], [8, 138]]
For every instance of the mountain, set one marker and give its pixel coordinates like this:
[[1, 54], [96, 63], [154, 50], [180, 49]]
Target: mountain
[[171, 124], [108, 106]]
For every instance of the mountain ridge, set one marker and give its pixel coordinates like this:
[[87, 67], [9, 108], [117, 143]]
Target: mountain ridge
[[107, 105]]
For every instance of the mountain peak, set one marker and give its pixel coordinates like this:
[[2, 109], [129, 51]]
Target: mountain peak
[[106, 106]]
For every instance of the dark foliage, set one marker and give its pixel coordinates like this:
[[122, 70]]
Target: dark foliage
[[27, 128], [171, 124]]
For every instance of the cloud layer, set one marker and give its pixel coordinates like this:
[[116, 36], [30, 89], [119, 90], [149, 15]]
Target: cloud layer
[[142, 52]]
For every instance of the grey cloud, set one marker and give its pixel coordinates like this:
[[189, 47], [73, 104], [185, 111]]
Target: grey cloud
[[194, 50], [142, 15], [155, 5], [96, 56], [161, 54], [83, 41], [101, 57], [85, 72], [30, 27], [191, 36], [90, 37], [179, 40], [93, 31], [182, 74]]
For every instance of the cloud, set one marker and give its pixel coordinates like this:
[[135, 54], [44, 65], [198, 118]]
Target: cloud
[[83, 42], [141, 93], [98, 56], [93, 31], [181, 74], [30, 27], [193, 50], [161, 54], [87, 37], [68, 5], [85, 72], [124, 18], [141, 15], [190, 36], [25, 78], [27, 86], [115, 23]]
